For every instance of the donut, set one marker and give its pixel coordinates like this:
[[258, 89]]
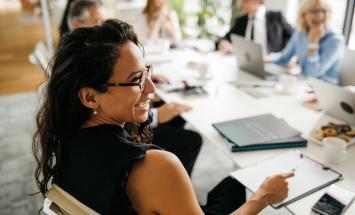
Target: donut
[[330, 132]]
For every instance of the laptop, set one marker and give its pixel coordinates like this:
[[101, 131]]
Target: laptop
[[334, 100], [347, 75], [250, 59]]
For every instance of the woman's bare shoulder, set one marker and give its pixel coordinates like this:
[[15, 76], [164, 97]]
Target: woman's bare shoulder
[[160, 184]]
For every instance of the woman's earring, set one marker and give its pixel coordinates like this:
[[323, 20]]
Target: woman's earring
[[94, 112]]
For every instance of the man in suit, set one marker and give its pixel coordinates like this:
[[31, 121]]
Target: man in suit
[[270, 29], [168, 127]]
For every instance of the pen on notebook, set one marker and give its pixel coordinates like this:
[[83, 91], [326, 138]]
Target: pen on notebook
[[254, 85], [187, 86]]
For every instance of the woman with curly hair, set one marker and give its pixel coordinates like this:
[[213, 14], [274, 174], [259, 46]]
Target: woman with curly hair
[[99, 83]]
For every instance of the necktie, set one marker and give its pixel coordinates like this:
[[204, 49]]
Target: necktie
[[252, 28]]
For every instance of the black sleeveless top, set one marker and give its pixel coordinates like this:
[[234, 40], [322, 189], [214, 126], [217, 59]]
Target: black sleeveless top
[[93, 165]]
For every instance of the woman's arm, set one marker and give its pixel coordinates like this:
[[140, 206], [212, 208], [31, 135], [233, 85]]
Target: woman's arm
[[154, 26], [274, 189], [172, 26], [321, 61], [289, 51], [159, 184]]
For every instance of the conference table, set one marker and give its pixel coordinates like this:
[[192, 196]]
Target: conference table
[[225, 101]]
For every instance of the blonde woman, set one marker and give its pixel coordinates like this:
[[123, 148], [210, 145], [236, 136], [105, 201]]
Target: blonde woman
[[317, 48], [158, 22]]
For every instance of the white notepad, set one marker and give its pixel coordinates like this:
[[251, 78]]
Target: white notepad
[[310, 175]]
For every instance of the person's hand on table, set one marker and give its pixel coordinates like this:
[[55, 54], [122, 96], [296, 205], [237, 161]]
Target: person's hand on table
[[160, 79], [225, 46], [167, 112], [274, 189]]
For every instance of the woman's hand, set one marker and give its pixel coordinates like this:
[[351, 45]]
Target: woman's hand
[[225, 46], [168, 111], [291, 64], [316, 32], [274, 189]]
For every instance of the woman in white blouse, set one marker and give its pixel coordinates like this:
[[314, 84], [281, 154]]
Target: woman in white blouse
[[158, 22]]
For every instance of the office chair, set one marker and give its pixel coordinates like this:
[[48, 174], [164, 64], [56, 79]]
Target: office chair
[[40, 57], [59, 202], [347, 71]]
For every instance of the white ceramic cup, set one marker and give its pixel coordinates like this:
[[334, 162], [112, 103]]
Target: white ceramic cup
[[202, 69], [334, 150], [164, 45], [288, 84], [295, 70]]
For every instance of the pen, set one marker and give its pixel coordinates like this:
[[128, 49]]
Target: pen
[[254, 85], [187, 86]]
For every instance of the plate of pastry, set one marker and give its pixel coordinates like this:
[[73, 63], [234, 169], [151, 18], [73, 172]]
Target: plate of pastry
[[327, 127]]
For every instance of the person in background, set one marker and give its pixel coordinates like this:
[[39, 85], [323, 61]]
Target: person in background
[[158, 22], [168, 127], [317, 48], [100, 83], [63, 27], [269, 29], [83, 14]]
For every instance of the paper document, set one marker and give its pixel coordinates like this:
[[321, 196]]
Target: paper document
[[179, 78], [310, 176]]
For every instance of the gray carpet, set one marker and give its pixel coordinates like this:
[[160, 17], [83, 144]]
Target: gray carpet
[[16, 159], [17, 162]]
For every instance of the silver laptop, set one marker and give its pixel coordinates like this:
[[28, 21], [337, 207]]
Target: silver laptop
[[334, 100], [250, 59], [347, 73]]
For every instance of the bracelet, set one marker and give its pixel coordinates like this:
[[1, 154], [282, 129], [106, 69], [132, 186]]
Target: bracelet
[[313, 46]]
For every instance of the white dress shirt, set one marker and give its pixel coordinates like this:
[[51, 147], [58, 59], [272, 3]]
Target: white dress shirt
[[260, 34], [155, 120]]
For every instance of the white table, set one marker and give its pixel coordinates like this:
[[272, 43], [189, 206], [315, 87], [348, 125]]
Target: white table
[[226, 102]]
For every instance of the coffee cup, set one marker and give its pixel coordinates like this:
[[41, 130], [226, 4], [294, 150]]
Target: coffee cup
[[164, 45], [334, 149], [287, 84], [202, 69], [295, 70]]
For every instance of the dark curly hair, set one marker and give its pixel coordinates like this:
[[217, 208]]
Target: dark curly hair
[[63, 27], [86, 58]]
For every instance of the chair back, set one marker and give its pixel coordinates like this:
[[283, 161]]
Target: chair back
[[40, 56], [347, 68], [59, 202]]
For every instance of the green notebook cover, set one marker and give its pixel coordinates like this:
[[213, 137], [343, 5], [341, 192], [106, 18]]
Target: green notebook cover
[[259, 132], [278, 144]]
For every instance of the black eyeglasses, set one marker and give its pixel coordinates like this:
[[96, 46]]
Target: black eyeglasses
[[141, 78]]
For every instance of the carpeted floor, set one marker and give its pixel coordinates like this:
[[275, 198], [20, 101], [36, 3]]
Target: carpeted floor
[[16, 159], [17, 163]]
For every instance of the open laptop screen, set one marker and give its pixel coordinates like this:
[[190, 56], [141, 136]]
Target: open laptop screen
[[249, 56], [335, 101]]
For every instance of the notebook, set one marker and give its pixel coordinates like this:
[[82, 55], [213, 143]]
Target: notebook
[[291, 142], [259, 133], [310, 175]]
